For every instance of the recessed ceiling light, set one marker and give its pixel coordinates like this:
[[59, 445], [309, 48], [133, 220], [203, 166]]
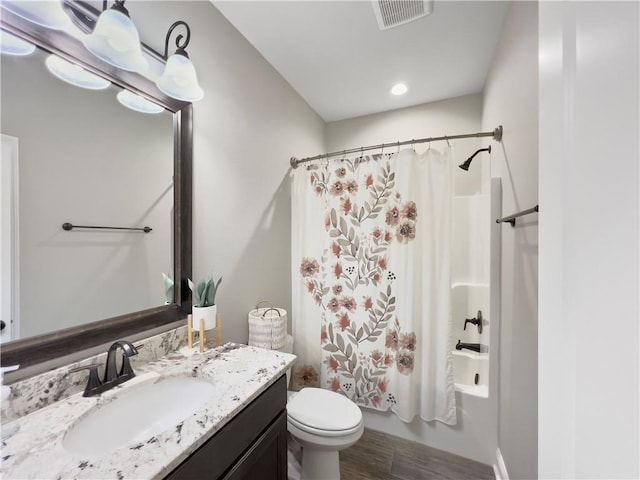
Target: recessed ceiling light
[[399, 89]]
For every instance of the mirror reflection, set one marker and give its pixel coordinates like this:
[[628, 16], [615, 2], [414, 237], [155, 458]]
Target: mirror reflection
[[70, 154]]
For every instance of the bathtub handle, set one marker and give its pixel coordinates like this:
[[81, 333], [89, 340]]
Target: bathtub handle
[[475, 321]]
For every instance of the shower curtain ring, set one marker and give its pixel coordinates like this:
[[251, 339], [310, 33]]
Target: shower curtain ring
[[447, 139], [398, 152], [413, 144], [429, 143]]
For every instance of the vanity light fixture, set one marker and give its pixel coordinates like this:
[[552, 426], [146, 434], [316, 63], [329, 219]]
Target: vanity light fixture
[[179, 78], [115, 40], [74, 74], [399, 89], [12, 45], [138, 103], [45, 13]]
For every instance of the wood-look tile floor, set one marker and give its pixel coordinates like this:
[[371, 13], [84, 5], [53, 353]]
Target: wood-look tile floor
[[378, 456]]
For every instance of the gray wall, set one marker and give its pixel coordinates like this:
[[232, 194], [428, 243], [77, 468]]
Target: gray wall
[[511, 99], [246, 128]]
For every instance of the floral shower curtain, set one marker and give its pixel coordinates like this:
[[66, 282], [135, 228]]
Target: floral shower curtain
[[371, 281]]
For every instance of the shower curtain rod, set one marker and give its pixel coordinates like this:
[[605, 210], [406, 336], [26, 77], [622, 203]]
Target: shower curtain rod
[[496, 134]]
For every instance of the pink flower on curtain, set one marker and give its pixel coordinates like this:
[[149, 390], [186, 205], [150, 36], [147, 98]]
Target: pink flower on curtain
[[337, 270], [349, 303], [323, 334], [406, 231], [410, 211], [309, 267], [377, 233], [393, 216], [368, 183], [404, 362], [336, 289], [337, 188], [392, 340], [368, 303], [311, 286], [341, 172], [346, 206], [332, 363], [334, 384], [327, 222], [335, 249], [382, 263], [376, 355], [382, 385], [408, 341], [344, 321], [352, 186], [333, 305]]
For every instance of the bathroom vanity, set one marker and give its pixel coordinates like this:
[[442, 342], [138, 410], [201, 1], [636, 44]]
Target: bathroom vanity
[[237, 430]]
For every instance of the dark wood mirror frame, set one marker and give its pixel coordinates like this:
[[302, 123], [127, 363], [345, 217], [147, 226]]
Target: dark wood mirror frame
[[41, 348]]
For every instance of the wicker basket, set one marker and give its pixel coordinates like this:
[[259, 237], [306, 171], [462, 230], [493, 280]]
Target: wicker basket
[[267, 327]]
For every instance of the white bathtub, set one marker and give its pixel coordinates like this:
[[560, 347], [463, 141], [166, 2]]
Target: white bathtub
[[466, 365]]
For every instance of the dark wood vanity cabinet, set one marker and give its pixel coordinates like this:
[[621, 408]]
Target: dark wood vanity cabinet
[[252, 446]]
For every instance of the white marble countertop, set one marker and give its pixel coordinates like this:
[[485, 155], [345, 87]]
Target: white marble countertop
[[240, 374]]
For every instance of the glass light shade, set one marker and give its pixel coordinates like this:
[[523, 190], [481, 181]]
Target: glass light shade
[[12, 45], [74, 74], [179, 79], [115, 40], [138, 103], [47, 13]]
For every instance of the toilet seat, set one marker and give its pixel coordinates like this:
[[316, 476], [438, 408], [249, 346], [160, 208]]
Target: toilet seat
[[323, 413]]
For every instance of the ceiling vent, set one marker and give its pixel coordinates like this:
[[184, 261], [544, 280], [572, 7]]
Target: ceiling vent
[[393, 13]]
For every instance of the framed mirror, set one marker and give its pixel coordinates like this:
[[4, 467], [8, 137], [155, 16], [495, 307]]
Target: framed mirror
[[173, 233]]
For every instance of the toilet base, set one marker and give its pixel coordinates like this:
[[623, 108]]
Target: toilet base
[[320, 465]]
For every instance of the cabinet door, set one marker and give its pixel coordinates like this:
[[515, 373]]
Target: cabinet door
[[258, 426], [267, 457]]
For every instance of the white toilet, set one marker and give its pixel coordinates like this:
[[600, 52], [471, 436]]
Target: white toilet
[[323, 423]]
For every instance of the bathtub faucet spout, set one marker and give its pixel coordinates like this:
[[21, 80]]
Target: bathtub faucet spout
[[476, 347]]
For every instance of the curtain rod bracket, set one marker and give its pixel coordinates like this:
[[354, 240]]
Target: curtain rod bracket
[[497, 134], [294, 162]]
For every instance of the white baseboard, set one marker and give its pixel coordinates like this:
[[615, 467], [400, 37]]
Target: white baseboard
[[499, 468]]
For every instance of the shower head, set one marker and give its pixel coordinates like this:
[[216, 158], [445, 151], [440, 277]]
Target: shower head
[[465, 166]]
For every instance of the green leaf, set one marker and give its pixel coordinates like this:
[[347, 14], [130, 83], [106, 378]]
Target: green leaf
[[343, 225], [340, 342], [330, 347], [330, 332], [334, 217], [349, 350]]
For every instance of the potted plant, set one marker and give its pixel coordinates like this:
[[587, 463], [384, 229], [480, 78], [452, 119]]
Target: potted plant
[[204, 302], [168, 287]]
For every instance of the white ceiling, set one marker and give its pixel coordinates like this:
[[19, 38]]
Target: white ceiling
[[333, 54]]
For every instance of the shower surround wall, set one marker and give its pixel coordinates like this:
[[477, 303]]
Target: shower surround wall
[[476, 202]]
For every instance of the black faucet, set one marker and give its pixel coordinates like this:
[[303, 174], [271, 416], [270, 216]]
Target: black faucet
[[126, 372], [112, 377], [476, 347], [475, 321]]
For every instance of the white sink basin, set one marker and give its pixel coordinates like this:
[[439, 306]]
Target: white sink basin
[[138, 415]]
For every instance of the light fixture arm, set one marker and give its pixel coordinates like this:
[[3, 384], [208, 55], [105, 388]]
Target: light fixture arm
[[180, 46]]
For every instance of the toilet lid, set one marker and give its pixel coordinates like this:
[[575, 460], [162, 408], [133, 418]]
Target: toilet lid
[[323, 410]]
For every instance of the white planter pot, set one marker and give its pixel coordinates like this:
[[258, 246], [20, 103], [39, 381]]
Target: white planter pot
[[208, 313]]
